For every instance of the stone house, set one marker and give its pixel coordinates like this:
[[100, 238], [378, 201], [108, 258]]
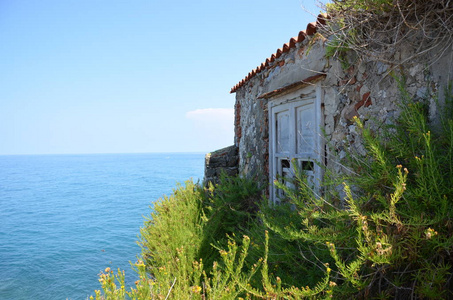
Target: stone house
[[297, 106]]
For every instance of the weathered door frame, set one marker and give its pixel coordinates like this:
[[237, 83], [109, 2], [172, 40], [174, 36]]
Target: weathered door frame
[[292, 102]]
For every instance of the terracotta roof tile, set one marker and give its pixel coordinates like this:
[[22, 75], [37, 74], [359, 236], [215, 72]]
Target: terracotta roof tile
[[322, 19], [310, 30], [301, 37], [286, 48]]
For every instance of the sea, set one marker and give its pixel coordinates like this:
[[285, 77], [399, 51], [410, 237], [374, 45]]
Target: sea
[[65, 218]]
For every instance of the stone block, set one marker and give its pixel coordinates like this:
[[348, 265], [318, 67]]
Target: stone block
[[349, 113], [223, 160]]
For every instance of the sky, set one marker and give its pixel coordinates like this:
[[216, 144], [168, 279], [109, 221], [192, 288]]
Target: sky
[[137, 76]]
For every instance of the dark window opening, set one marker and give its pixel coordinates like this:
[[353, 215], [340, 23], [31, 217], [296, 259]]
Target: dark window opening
[[307, 165]]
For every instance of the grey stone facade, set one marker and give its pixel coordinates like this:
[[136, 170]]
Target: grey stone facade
[[367, 90]]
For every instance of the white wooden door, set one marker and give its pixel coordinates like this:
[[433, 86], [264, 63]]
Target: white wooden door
[[295, 138]]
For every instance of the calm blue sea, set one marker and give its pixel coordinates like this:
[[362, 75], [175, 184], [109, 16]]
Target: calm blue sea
[[63, 218]]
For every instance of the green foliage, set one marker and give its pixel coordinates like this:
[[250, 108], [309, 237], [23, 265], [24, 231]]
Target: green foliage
[[338, 47], [229, 208], [171, 240], [389, 236], [193, 227], [284, 260], [108, 280], [394, 237], [377, 6]]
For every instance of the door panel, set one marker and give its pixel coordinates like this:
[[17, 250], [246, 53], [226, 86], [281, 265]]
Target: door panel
[[305, 126], [283, 132]]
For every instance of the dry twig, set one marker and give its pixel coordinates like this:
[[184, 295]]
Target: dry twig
[[381, 30]]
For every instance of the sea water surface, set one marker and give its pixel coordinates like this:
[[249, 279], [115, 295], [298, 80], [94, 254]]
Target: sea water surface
[[64, 218]]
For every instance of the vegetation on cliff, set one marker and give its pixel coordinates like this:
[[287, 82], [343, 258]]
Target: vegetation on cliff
[[387, 234]]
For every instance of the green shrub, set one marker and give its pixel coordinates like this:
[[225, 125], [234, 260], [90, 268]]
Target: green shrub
[[390, 237], [394, 237], [173, 256], [171, 239], [230, 207]]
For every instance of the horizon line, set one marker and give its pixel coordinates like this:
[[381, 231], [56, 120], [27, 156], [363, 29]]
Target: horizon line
[[107, 153]]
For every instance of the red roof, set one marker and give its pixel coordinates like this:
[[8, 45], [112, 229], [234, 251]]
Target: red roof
[[311, 30]]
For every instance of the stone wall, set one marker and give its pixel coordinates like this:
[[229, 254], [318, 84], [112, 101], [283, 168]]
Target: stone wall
[[223, 160], [370, 91], [253, 123], [252, 143], [367, 90]]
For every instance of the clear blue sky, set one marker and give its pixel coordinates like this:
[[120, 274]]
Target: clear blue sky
[[95, 76]]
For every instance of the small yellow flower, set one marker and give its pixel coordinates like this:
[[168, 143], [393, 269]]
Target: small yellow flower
[[107, 270], [139, 264], [196, 289], [429, 233]]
